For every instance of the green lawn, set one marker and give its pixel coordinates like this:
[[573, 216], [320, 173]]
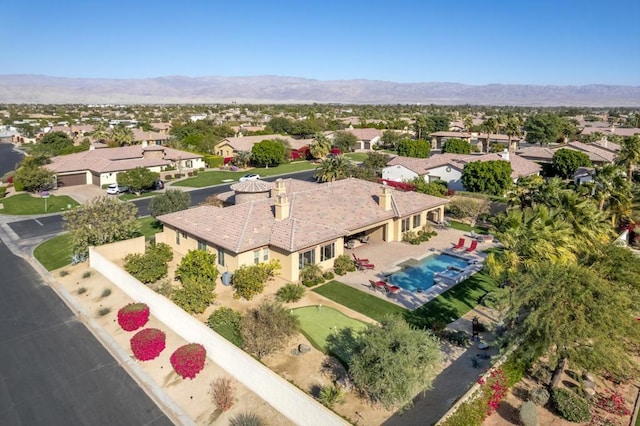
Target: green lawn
[[453, 303], [22, 204], [356, 156], [359, 301], [468, 228], [56, 252], [318, 323], [218, 177]]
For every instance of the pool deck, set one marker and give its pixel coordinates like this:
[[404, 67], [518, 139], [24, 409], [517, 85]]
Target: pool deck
[[388, 256]]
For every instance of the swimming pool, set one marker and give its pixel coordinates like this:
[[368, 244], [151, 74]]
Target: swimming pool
[[420, 276]]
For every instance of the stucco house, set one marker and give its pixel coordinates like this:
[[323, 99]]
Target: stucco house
[[101, 166], [229, 147], [449, 167], [297, 222], [477, 140], [599, 153]]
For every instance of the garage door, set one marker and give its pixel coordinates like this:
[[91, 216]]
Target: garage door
[[71, 180], [95, 179]]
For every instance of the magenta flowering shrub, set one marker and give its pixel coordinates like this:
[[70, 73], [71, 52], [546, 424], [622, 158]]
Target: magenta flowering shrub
[[147, 344], [133, 316], [188, 360]]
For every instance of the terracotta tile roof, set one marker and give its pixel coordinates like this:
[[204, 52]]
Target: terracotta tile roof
[[318, 213], [461, 135], [116, 159], [252, 186], [245, 143], [140, 136], [365, 134], [599, 154]]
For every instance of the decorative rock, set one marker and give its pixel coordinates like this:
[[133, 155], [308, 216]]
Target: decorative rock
[[303, 349]]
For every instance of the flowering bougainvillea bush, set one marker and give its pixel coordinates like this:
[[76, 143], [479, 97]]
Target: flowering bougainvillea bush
[[147, 344], [613, 402], [133, 316], [188, 360]]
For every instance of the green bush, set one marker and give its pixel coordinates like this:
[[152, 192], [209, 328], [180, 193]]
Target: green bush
[[213, 161], [106, 293], [328, 275], [570, 406], [3, 191], [290, 293], [86, 274], [226, 322], [527, 414], [539, 396], [246, 419], [249, 281], [343, 264], [514, 368], [64, 273], [18, 186], [310, 272], [150, 266], [331, 395]]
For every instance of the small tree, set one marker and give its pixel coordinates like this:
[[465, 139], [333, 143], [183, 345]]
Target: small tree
[[268, 153], [392, 362], [35, 178], [469, 208], [436, 188], [376, 161], [101, 221], [249, 280], [345, 141], [456, 146], [489, 177], [138, 179], [566, 162], [197, 273], [265, 329], [150, 266], [419, 148], [173, 200], [226, 322]]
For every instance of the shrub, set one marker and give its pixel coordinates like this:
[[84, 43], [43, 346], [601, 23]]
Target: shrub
[[455, 337], [150, 266], [147, 344], [331, 395], [86, 274], [133, 316], [343, 264], [64, 273], [570, 406], [328, 275], [82, 290], [613, 403], [188, 360], [514, 369], [246, 419], [527, 414], [226, 322], [539, 396], [249, 281], [104, 311], [223, 393], [290, 293], [3, 191], [106, 293], [310, 272]]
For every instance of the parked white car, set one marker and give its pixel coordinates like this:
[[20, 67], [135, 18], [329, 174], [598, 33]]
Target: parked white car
[[114, 189], [252, 176]]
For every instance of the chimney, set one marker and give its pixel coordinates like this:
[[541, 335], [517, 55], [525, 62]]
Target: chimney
[[282, 207], [279, 189], [384, 200], [505, 155]]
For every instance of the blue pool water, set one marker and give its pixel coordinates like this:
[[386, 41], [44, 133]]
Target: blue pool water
[[420, 276]]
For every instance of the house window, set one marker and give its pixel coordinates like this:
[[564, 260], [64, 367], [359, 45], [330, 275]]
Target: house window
[[189, 163], [416, 221], [184, 235], [220, 257], [265, 254], [177, 237], [306, 258], [328, 252], [406, 224], [202, 245], [256, 257]]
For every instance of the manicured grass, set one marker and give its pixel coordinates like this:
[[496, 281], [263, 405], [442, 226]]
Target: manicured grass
[[467, 228], [453, 303], [356, 156], [359, 301], [318, 323], [27, 204], [57, 251], [218, 177]]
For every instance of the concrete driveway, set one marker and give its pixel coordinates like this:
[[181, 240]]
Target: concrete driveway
[[81, 193]]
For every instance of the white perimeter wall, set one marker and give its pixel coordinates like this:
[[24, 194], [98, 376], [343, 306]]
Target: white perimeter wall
[[398, 173], [283, 396]]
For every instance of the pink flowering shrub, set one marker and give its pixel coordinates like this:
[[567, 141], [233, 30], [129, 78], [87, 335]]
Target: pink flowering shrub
[[133, 316], [613, 403], [494, 389], [147, 344], [188, 360]]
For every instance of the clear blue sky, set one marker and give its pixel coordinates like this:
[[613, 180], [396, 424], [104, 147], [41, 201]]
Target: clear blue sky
[[562, 42]]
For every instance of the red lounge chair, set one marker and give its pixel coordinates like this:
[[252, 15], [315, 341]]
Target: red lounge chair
[[473, 246], [364, 265], [460, 244], [359, 260], [391, 289], [378, 285]]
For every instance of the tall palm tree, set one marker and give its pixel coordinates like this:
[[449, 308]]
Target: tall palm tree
[[522, 193], [332, 168], [122, 136], [100, 132], [590, 226], [612, 190], [629, 154], [320, 147], [242, 159], [512, 128], [490, 125]]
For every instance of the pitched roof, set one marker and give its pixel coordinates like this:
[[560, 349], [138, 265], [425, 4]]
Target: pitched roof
[[318, 213], [365, 134], [116, 159], [245, 143]]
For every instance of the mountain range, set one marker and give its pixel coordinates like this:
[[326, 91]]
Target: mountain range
[[40, 89]]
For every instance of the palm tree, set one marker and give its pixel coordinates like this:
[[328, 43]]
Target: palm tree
[[522, 193], [242, 159], [320, 147], [589, 225], [122, 136], [512, 128], [490, 125], [100, 132], [629, 154], [612, 190], [332, 168]]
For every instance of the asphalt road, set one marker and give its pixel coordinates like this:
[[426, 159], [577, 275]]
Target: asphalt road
[[51, 225], [52, 370]]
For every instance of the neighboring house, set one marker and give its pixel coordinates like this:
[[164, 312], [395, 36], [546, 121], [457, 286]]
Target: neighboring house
[[75, 132], [101, 166], [583, 175], [611, 130], [449, 167], [229, 147], [297, 222], [477, 140], [162, 127], [149, 138], [599, 154], [367, 138]]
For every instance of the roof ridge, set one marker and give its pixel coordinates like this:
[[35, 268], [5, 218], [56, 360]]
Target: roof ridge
[[293, 235], [244, 227]]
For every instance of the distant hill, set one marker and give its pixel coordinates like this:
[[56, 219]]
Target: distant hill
[[272, 89]]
